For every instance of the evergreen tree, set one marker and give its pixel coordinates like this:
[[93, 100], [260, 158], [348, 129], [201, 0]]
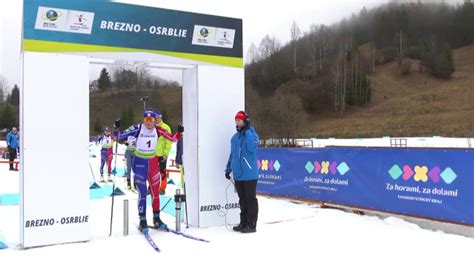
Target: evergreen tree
[[104, 82], [443, 63], [97, 126], [7, 120], [15, 96]]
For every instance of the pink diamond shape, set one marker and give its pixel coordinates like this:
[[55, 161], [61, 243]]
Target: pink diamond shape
[[317, 167], [407, 172]]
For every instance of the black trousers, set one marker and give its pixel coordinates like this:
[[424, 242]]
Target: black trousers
[[247, 191], [12, 156]]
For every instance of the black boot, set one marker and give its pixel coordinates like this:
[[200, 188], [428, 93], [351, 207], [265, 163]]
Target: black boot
[[250, 228], [157, 222], [239, 227], [143, 224]]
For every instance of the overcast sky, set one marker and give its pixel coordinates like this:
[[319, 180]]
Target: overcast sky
[[260, 18]]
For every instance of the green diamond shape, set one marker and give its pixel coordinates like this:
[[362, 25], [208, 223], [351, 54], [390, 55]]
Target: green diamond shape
[[448, 175], [277, 165], [343, 168], [395, 172], [309, 167]]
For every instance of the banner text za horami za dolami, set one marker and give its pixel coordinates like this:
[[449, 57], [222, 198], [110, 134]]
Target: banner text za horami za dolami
[[431, 183], [102, 26]]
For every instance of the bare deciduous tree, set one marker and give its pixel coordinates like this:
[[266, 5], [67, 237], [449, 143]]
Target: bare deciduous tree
[[268, 46], [295, 34], [128, 74], [324, 44], [3, 88], [252, 54], [290, 116]]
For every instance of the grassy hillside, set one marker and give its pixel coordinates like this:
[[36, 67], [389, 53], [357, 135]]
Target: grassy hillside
[[414, 105]]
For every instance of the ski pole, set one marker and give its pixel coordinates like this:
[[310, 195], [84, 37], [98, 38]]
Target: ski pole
[[93, 176], [186, 205], [166, 204], [112, 209]]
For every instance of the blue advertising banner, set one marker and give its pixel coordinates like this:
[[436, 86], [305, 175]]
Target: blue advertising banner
[[430, 183], [103, 26]]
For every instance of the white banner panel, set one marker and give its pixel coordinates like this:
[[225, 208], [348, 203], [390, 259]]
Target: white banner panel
[[190, 141], [54, 149], [221, 95]]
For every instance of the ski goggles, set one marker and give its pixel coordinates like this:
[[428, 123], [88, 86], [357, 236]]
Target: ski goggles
[[149, 119]]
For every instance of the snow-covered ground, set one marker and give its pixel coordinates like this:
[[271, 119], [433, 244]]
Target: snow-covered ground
[[288, 233]]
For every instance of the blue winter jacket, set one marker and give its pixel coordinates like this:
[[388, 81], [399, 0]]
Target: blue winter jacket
[[243, 155], [12, 140]]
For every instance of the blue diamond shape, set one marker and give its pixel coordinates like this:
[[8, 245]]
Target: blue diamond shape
[[276, 165], [448, 175], [309, 167], [395, 172], [343, 168]]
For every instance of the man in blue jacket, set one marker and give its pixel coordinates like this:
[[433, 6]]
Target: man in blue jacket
[[13, 144], [243, 165]]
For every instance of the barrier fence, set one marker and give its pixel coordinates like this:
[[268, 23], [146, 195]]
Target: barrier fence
[[428, 183]]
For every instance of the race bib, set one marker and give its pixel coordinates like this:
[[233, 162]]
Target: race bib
[[106, 141], [132, 141], [146, 141]]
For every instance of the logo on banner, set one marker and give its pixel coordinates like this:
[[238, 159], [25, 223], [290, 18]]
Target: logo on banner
[[422, 173], [212, 36], [326, 167], [48, 18], [326, 175], [225, 38], [268, 165], [269, 169], [204, 32], [55, 19], [51, 15], [80, 22], [80, 18]]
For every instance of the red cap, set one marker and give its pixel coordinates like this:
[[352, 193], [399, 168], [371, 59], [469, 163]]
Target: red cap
[[241, 116]]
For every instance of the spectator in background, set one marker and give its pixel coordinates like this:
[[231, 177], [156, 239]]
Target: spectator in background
[[129, 154], [106, 140], [13, 145], [163, 150]]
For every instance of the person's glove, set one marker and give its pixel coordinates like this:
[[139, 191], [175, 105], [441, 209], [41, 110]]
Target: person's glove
[[117, 123], [180, 128], [227, 175]]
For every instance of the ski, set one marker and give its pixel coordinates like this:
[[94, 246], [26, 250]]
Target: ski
[[180, 234], [188, 236], [150, 241]]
